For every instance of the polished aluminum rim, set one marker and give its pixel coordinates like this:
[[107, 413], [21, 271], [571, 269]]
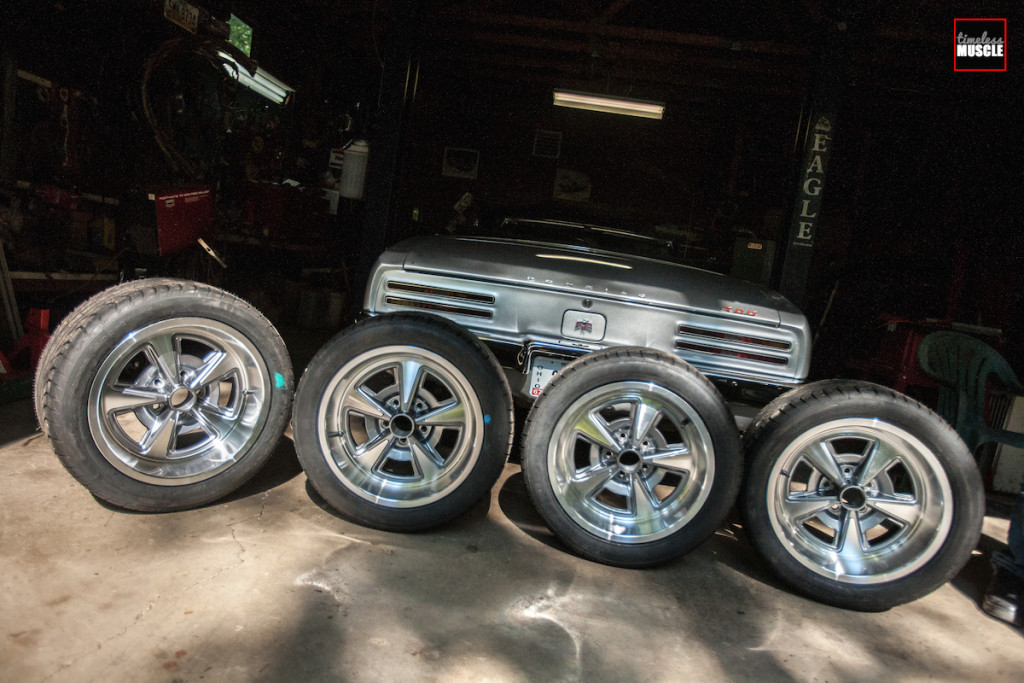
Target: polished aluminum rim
[[860, 501], [178, 401], [631, 462], [400, 426]]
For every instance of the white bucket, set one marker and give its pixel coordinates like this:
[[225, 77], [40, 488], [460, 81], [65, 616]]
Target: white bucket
[[353, 170]]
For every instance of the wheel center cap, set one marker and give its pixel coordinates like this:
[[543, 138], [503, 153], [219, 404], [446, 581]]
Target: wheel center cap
[[402, 425], [853, 498], [630, 460], [182, 398]]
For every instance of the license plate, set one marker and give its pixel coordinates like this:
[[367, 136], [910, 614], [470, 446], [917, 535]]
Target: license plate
[[183, 14], [542, 371]]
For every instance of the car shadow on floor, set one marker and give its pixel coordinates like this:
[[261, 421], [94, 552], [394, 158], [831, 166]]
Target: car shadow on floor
[[280, 468], [514, 501], [727, 545], [475, 514]]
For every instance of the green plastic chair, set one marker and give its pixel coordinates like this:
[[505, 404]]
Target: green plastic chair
[[962, 367]]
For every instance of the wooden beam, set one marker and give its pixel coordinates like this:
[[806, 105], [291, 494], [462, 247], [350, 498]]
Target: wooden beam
[[563, 28], [579, 8], [637, 54], [472, 6], [664, 83], [813, 11], [612, 10]]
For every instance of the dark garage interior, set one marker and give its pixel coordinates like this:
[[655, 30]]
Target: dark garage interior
[[131, 148]]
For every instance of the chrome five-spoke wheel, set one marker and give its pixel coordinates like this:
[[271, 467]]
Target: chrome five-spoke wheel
[[631, 462], [162, 394], [860, 501], [403, 421], [858, 496], [631, 456], [403, 426], [178, 400]]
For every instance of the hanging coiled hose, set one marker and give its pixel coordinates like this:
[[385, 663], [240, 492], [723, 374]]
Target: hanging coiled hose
[[175, 48]]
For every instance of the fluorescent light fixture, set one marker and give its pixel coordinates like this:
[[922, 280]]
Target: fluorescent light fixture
[[260, 82], [611, 105]]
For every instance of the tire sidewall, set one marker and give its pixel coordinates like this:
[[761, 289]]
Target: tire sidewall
[[643, 365], [430, 334], [860, 400]]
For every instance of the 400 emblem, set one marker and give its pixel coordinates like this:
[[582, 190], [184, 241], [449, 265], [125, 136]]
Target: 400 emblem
[[739, 311]]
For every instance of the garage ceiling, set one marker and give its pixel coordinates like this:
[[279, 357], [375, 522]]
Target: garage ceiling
[[647, 48], [665, 50]]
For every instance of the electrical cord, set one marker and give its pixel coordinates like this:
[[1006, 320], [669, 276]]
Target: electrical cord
[[207, 48], [162, 138]]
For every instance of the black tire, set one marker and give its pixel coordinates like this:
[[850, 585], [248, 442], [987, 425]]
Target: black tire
[[161, 395], [441, 446], [859, 497], [622, 500], [53, 346]]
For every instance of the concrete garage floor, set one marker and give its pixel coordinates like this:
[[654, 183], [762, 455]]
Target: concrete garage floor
[[269, 585]]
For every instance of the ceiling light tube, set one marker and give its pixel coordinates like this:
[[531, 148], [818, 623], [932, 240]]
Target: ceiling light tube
[[254, 83], [260, 82], [266, 85], [255, 86], [267, 79], [611, 105]]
